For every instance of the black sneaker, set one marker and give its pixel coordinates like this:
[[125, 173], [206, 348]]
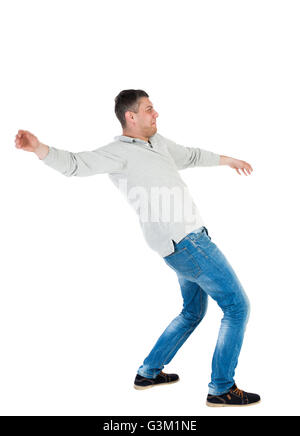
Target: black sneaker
[[161, 379], [235, 397]]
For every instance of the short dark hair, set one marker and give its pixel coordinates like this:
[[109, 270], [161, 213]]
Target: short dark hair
[[128, 100]]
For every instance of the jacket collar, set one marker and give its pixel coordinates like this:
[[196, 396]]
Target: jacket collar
[[132, 140]]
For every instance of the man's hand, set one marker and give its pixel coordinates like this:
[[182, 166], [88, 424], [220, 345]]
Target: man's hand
[[28, 142], [236, 164]]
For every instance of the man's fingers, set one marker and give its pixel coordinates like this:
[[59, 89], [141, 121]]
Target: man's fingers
[[248, 166], [242, 166], [249, 169], [19, 138], [18, 143], [24, 133]]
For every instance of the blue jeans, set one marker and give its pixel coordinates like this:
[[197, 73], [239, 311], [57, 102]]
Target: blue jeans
[[203, 270]]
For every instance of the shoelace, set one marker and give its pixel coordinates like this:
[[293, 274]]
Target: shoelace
[[165, 375], [239, 392]]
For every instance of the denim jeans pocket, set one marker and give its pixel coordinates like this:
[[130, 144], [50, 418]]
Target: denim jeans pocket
[[183, 262]]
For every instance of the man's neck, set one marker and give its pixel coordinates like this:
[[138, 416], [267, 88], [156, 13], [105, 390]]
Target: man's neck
[[131, 135]]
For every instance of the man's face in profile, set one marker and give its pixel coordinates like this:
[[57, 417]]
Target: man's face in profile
[[145, 118]]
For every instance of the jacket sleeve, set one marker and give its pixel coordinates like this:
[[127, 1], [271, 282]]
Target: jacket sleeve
[[189, 157], [84, 163]]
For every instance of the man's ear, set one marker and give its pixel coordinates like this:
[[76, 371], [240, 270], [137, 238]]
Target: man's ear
[[129, 117]]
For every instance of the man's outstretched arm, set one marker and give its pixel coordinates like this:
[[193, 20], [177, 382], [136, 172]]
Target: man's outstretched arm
[[189, 157], [81, 164]]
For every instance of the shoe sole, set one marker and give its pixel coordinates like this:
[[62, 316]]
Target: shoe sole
[[231, 405], [141, 388]]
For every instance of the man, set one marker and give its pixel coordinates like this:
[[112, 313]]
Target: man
[[144, 165]]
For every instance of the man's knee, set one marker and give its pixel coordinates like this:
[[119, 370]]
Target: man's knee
[[193, 318], [240, 310]]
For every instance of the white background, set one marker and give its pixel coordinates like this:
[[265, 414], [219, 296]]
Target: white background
[[83, 298]]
